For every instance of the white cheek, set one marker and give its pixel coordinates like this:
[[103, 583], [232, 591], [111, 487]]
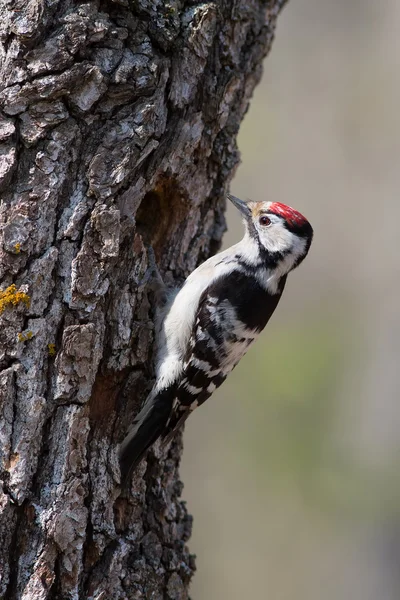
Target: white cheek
[[297, 249], [277, 238]]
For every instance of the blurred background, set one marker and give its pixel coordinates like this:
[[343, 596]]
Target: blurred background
[[292, 469]]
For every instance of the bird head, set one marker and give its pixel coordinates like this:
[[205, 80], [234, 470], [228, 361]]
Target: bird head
[[280, 231]]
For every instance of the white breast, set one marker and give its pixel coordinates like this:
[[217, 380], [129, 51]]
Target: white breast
[[180, 315]]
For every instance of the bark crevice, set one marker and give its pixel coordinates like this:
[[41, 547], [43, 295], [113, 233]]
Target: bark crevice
[[117, 131]]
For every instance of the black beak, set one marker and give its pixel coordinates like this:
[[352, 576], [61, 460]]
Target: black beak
[[240, 205]]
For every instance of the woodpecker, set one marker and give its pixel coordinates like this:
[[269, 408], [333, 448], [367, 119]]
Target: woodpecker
[[211, 321]]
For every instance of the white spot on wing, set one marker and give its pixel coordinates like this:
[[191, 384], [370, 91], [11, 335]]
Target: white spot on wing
[[204, 366], [191, 389]]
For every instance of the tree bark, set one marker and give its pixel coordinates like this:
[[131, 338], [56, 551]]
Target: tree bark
[[117, 130]]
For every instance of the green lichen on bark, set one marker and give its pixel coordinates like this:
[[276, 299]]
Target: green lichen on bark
[[11, 297]]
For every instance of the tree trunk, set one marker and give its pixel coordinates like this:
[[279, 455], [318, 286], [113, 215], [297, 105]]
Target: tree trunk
[[117, 130]]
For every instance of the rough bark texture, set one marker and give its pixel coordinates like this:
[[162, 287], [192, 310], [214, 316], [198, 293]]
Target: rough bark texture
[[117, 129]]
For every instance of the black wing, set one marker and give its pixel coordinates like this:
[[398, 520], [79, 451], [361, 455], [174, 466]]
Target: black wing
[[231, 313]]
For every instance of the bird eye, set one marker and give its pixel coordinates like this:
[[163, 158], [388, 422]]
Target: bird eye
[[264, 221]]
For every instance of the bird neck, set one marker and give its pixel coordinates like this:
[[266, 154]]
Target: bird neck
[[255, 255], [270, 268]]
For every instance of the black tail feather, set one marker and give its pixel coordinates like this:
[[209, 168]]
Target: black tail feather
[[148, 426]]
